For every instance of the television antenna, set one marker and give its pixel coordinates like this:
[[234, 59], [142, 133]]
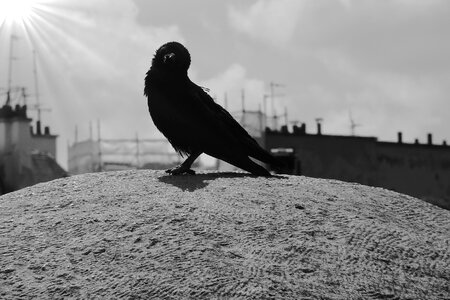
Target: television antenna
[[353, 125], [37, 106], [272, 96], [12, 38]]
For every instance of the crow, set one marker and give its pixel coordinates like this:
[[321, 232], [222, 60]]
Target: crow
[[190, 119]]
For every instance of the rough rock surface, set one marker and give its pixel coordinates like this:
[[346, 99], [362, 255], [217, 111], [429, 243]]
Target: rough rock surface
[[144, 235]]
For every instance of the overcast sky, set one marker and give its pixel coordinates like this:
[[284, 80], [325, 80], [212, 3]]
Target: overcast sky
[[388, 62]]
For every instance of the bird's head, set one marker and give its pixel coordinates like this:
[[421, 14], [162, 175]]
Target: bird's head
[[172, 56]]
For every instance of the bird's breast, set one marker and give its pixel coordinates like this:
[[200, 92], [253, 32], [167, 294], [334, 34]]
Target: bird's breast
[[169, 113]]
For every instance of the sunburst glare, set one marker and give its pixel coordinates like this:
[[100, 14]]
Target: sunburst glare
[[43, 41], [16, 10]]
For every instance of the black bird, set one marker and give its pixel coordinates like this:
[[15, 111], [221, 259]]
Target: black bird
[[191, 120]]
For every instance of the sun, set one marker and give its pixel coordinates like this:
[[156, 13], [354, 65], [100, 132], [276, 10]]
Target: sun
[[16, 10]]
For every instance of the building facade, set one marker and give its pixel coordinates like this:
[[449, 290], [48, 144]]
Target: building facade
[[27, 156], [420, 170], [120, 154]]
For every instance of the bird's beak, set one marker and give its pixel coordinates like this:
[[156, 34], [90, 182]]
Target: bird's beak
[[168, 57]]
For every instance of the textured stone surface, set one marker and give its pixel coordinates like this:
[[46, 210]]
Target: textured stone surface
[[144, 235]]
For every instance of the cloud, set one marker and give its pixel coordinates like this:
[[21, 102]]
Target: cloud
[[384, 60], [387, 61], [92, 59], [405, 36], [382, 101], [233, 81], [273, 21]]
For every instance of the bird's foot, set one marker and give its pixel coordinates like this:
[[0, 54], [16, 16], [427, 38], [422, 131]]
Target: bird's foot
[[179, 170]]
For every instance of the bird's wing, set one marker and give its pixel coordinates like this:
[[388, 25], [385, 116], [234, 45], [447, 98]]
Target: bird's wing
[[218, 121]]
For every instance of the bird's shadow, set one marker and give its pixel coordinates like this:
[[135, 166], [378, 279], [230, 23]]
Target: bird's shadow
[[191, 183]]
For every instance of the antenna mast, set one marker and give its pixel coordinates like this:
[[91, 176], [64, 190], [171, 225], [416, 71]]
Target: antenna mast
[[36, 86], [273, 85], [353, 125], [11, 58], [37, 106]]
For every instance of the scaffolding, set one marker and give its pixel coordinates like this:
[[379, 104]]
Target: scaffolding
[[119, 154]]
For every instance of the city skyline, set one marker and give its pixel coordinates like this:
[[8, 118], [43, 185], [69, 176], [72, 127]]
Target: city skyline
[[385, 62]]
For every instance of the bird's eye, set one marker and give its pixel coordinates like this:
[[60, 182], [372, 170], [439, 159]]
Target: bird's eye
[[169, 57]]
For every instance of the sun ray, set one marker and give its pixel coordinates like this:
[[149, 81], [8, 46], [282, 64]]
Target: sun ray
[[16, 10]]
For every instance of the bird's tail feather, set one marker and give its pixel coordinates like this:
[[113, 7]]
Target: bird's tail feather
[[262, 155], [248, 165]]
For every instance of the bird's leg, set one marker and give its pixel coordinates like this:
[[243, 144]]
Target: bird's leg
[[185, 167]]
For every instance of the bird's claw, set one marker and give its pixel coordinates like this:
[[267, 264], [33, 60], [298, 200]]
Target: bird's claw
[[180, 170]]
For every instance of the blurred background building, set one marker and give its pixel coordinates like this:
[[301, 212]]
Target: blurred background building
[[27, 154], [120, 154], [417, 169], [333, 70]]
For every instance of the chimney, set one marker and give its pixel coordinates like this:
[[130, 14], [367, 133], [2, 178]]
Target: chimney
[[47, 130], [444, 143], [416, 141], [303, 128], [400, 137], [284, 129], [319, 126], [430, 139], [38, 128]]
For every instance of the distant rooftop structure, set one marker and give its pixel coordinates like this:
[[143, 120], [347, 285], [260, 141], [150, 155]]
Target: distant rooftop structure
[[27, 155], [418, 169], [119, 154]]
